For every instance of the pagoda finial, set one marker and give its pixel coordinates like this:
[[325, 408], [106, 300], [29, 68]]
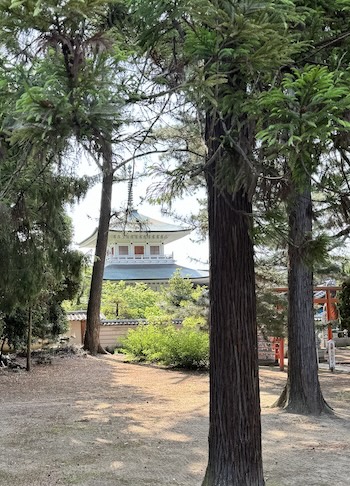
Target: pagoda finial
[[130, 189]]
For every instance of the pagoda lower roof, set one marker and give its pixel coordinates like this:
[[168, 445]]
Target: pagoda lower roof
[[150, 272]]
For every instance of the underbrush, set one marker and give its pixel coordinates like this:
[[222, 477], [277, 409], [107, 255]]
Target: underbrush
[[186, 347]]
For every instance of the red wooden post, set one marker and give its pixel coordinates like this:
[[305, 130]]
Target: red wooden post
[[329, 313], [275, 345], [278, 345], [281, 353]]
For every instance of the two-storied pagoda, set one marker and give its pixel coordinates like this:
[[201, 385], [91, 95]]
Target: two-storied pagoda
[[136, 251]]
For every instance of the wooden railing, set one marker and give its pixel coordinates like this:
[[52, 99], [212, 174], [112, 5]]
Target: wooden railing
[[136, 259]]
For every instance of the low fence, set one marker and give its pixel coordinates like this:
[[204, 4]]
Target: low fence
[[112, 332]]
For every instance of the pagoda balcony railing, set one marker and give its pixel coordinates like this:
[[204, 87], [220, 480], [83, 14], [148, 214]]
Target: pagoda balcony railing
[[140, 259]]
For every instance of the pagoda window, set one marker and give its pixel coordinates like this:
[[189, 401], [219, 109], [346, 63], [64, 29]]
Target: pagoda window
[[154, 250], [123, 250], [139, 250]]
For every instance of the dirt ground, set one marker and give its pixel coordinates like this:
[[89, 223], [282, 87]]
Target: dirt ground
[[102, 422]]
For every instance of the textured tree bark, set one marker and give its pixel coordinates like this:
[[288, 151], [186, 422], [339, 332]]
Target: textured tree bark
[[92, 333], [302, 393], [29, 339], [235, 428]]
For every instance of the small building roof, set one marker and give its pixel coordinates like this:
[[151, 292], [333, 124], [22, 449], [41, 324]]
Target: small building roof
[[148, 272], [79, 315], [130, 322]]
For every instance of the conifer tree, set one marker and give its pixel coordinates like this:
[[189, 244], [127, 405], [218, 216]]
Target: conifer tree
[[35, 237], [220, 53], [71, 56], [35, 232], [302, 116]]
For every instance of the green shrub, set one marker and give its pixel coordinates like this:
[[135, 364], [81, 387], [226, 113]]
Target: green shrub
[[157, 316], [195, 322], [142, 342], [189, 348], [184, 348]]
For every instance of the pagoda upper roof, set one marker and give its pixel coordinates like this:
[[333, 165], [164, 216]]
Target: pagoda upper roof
[[138, 223]]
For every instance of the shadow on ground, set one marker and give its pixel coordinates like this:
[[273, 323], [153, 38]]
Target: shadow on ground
[[102, 422]]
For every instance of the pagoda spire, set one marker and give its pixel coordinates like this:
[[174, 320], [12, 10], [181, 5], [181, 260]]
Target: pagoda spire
[[130, 205]]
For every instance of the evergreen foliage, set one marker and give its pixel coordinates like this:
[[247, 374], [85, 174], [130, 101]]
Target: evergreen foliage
[[71, 59], [180, 299], [220, 54], [344, 305], [272, 306], [49, 321]]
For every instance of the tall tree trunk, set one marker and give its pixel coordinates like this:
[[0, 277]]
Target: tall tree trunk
[[92, 333], [302, 393], [2, 347], [29, 339], [235, 429]]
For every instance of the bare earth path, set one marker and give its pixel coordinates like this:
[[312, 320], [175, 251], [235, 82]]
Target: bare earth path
[[101, 422]]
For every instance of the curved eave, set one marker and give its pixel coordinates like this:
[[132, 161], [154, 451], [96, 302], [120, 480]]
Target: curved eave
[[117, 235], [141, 223], [149, 272], [89, 242], [165, 236]]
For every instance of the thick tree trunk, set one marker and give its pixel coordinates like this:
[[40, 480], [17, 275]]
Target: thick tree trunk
[[235, 428], [2, 347], [29, 339], [302, 394], [92, 333]]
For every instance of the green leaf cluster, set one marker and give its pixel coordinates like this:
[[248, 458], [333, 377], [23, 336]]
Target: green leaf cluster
[[302, 115], [122, 301]]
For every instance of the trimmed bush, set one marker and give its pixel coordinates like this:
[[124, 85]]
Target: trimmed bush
[[189, 348], [183, 348]]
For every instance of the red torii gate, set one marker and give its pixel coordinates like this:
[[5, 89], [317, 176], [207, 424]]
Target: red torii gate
[[330, 299]]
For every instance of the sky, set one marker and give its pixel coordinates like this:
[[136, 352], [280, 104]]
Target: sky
[[85, 218]]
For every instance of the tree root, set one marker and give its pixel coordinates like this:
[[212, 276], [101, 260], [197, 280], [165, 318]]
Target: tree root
[[101, 350], [300, 407]]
